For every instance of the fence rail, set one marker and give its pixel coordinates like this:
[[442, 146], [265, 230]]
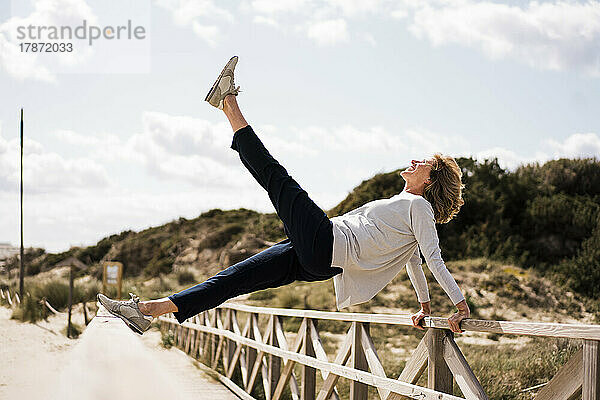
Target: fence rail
[[216, 336]]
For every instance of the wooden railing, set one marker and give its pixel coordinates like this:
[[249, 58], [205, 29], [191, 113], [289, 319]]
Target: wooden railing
[[216, 336], [13, 300]]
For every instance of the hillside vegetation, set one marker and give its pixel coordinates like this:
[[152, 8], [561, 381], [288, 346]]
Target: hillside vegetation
[[539, 217], [525, 246]]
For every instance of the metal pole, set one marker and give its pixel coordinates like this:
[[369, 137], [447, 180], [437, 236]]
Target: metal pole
[[69, 328], [22, 274]]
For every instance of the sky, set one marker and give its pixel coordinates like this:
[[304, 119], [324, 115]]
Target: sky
[[118, 136]]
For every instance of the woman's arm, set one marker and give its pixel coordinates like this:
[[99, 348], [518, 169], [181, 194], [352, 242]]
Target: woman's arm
[[417, 277], [423, 224]]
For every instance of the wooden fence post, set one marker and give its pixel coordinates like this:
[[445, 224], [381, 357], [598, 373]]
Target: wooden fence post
[[274, 362], [358, 360], [213, 337], [439, 376], [85, 314], [230, 343], [309, 374], [591, 370], [250, 351]]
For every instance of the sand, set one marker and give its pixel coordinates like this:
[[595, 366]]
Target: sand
[[31, 357]]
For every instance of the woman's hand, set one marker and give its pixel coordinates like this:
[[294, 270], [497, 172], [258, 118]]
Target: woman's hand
[[454, 320], [417, 317]]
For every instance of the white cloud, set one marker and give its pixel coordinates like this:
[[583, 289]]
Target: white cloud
[[356, 8], [577, 145], [76, 201], [550, 35], [170, 148], [28, 65], [370, 39], [45, 171], [262, 20], [509, 159], [200, 15], [328, 32], [278, 6], [209, 33]]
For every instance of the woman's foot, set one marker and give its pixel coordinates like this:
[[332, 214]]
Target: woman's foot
[[128, 311], [224, 85]]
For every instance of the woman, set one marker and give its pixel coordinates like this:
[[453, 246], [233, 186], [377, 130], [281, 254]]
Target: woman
[[362, 250]]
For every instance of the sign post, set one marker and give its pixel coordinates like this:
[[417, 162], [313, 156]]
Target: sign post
[[112, 275]]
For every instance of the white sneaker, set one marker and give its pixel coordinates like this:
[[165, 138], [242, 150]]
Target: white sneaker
[[224, 85], [128, 311]]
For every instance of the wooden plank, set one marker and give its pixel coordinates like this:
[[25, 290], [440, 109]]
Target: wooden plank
[[358, 390], [309, 374], [417, 363], [274, 362], [213, 338], [591, 370], [238, 349], [227, 382], [340, 359], [373, 359], [294, 387], [258, 362], [573, 331], [262, 362], [230, 343], [250, 351], [544, 329], [244, 354], [439, 376], [188, 341], [52, 309], [566, 384], [320, 353], [289, 364], [463, 374], [368, 378], [220, 345], [414, 367]]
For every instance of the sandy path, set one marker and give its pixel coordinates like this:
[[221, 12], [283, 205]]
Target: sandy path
[[191, 379], [31, 357], [30, 353]]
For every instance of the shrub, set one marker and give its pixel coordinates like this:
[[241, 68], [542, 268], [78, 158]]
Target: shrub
[[266, 294], [30, 310], [56, 292], [167, 339], [185, 277], [76, 330]]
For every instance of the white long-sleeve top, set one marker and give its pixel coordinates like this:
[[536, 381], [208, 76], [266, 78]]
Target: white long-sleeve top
[[374, 242]]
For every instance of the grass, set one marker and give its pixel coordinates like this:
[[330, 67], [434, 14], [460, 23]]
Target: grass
[[493, 289], [167, 339]]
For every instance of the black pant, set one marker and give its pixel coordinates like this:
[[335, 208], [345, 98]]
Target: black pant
[[304, 256]]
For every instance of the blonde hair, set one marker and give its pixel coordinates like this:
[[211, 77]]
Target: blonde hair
[[445, 190]]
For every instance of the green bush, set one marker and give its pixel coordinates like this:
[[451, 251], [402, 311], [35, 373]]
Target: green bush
[[266, 294], [185, 278], [30, 310], [221, 236], [55, 291], [167, 339]]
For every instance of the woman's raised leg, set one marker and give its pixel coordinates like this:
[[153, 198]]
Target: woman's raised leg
[[306, 224]]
